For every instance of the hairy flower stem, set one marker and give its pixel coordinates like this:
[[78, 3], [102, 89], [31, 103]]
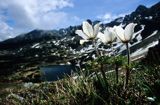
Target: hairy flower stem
[[116, 65], [101, 64], [96, 49], [128, 62], [116, 70]]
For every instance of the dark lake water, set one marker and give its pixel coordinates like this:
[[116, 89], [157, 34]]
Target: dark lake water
[[55, 72]]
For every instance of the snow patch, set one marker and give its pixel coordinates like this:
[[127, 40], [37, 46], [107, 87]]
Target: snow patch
[[143, 50], [149, 17], [155, 32], [35, 45]]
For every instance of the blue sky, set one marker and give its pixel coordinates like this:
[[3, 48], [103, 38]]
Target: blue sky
[[92, 8], [20, 16]]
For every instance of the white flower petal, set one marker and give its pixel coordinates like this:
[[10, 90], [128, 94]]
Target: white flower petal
[[104, 38], [108, 35], [101, 37], [113, 36], [96, 29], [88, 29], [81, 34], [120, 33], [129, 31]]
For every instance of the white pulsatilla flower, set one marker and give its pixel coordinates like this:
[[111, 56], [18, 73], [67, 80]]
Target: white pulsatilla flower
[[108, 36], [125, 35], [88, 31]]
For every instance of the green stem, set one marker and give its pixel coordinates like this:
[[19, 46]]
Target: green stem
[[128, 54], [96, 49], [128, 70], [112, 48], [116, 65], [103, 73], [116, 70], [101, 64]]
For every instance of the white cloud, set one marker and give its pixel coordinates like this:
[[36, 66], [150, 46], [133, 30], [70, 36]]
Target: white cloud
[[5, 31], [24, 15], [108, 17]]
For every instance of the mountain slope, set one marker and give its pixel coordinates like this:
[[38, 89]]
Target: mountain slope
[[149, 17], [40, 47]]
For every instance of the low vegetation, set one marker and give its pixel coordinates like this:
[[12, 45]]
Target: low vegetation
[[90, 88]]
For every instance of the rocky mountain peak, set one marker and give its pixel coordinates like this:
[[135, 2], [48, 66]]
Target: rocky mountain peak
[[141, 8]]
